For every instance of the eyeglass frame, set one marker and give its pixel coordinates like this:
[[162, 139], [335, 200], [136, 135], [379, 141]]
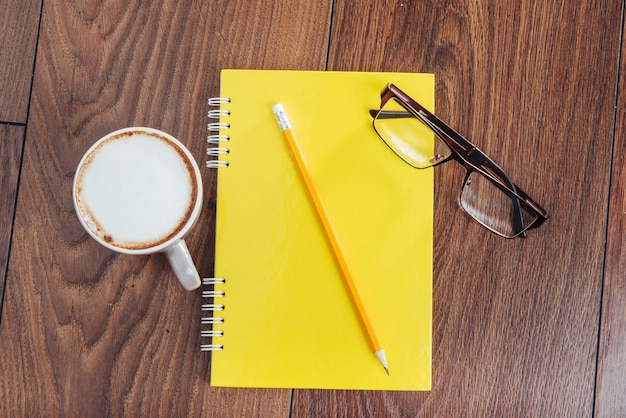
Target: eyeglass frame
[[464, 152]]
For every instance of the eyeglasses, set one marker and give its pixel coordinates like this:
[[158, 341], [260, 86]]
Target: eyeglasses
[[487, 194]]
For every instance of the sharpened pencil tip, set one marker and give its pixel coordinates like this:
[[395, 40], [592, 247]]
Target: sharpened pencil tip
[[380, 355]]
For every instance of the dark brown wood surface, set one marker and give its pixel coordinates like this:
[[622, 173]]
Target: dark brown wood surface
[[19, 23], [11, 139], [611, 380], [533, 327]]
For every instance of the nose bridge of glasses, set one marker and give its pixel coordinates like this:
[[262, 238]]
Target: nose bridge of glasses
[[478, 160]]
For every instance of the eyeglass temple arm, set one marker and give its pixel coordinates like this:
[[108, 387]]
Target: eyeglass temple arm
[[388, 114]]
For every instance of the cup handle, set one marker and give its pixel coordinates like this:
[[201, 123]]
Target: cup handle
[[182, 264]]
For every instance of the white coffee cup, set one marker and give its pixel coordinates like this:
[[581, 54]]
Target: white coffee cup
[[139, 191]]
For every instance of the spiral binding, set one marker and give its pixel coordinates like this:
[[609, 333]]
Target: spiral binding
[[216, 136], [215, 140], [213, 308]]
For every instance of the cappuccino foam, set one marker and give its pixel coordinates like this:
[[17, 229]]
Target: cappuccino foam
[[136, 190]]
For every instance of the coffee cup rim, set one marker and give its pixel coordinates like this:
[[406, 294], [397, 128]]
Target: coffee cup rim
[[192, 218]]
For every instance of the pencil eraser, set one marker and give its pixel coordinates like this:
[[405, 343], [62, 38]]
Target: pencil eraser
[[278, 108], [281, 116]]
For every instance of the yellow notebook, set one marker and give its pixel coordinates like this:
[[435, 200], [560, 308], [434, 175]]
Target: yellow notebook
[[288, 321]]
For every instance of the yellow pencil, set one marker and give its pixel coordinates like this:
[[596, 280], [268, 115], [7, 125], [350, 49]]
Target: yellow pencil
[[329, 233]]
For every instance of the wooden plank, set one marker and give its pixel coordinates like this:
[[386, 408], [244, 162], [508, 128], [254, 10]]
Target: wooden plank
[[84, 331], [611, 376], [18, 36], [533, 84], [11, 142]]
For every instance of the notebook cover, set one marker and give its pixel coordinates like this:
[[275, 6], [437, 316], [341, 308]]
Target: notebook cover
[[288, 319]]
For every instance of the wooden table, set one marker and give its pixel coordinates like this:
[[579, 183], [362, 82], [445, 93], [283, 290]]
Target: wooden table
[[533, 327]]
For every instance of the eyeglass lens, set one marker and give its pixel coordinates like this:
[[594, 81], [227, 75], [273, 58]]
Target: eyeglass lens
[[494, 208], [408, 137]]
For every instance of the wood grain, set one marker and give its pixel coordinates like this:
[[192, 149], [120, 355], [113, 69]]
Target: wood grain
[[611, 379], [19, 21], [11, 142], [84, 331], [533, 84]]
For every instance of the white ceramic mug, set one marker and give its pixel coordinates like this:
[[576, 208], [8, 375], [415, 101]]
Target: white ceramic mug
[[138, 191]]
